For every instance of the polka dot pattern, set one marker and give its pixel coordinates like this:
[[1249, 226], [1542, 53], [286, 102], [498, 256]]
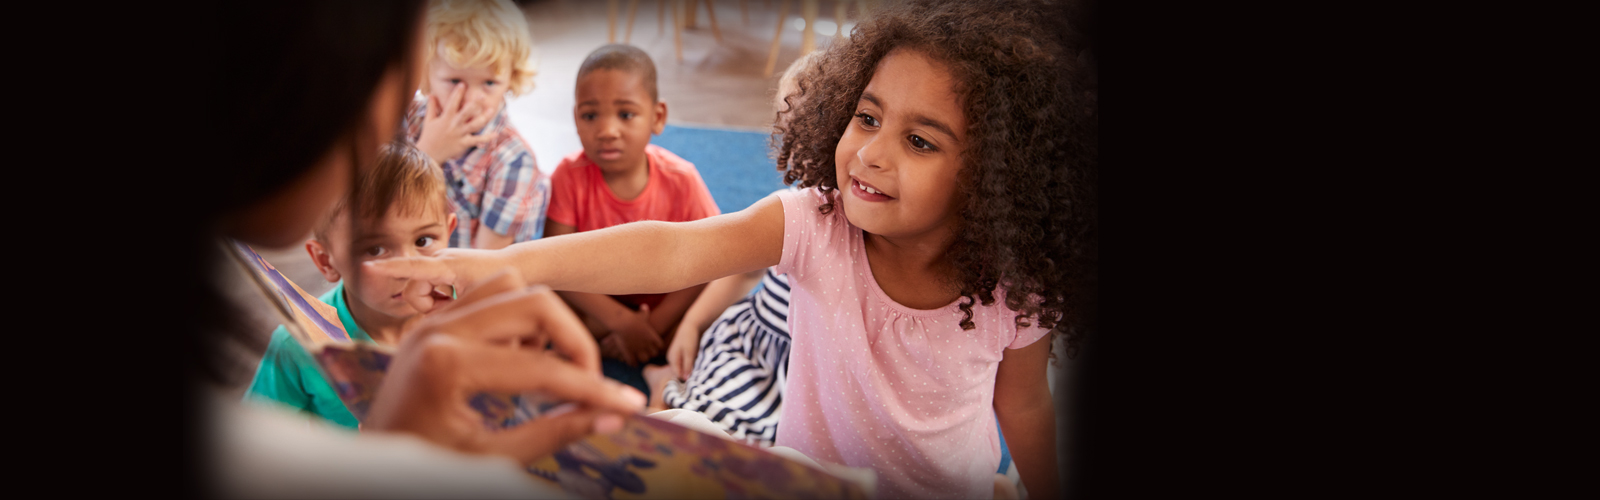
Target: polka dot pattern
[[875, 384]]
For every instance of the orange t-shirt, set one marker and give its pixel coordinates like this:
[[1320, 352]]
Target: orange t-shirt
[[580, 198]]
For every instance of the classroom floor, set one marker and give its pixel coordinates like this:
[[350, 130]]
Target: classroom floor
[[718, 84]]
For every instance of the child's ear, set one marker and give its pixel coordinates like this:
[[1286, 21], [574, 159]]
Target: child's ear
[[661, 118], [323, 259], [450, 224]]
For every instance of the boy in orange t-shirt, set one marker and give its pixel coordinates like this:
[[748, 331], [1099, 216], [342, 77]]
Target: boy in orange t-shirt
[[619, 177]]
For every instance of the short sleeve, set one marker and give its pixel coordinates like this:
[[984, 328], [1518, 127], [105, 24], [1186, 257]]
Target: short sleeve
[[290, 377], [1026, 336], [278, 377], [564, 194], [512, 195], [800, 222], [687, 189], [704, 205]]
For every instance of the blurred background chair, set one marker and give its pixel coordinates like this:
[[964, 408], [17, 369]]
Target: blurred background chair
[[684, 15], [809, 26]]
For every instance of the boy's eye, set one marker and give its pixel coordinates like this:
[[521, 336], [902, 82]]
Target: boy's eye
[[587, 116], [918, 143], [454, 81], [490, 83], [867, 119], [376, 252], [626, 115], [425, 241]]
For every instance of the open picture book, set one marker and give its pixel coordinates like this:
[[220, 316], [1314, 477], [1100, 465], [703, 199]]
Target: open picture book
[[648, 458]]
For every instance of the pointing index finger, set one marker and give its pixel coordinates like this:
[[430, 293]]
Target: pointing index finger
[[427, 269]]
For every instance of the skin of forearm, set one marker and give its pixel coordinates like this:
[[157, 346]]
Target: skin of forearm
[[1033, 445], [638, 257]]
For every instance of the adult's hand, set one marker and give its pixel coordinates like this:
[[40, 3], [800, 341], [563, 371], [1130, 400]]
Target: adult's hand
[[463, 268], [493, 339]]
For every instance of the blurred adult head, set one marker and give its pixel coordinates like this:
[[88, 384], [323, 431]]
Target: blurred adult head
[[303, 95]]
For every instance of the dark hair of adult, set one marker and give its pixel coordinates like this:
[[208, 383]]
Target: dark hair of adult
[[291, 79]]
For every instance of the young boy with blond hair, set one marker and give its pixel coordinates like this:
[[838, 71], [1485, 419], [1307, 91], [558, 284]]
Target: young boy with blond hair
[[619, 177], [397, 209], [477, 52]]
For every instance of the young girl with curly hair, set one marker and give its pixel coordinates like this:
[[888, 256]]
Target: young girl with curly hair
[[946, 206]]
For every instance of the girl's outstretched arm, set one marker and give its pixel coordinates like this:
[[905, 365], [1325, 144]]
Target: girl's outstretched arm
[[1028, 416], [638, 257]]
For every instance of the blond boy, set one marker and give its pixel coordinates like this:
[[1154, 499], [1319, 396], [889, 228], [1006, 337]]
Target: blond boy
[[478, 53]]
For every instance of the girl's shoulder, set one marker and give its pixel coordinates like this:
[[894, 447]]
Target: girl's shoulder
[[814, 213], [807, 200], [811, 238]]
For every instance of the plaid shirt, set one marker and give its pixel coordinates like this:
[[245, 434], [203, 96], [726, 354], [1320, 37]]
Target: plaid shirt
[[498, 185]]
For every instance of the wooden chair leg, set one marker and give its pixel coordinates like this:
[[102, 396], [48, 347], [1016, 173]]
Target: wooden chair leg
[[633, 8], [611, 21], [777, 38], [808, 40], [690, 12], [712, 13], [677, 29], [838, 19]]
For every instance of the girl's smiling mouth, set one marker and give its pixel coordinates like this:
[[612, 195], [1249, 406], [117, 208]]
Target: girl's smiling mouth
[[867, 191]]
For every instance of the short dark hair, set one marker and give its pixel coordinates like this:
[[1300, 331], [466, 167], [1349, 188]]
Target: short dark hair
[[623, 58]]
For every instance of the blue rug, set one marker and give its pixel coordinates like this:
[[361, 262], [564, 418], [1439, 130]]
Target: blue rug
[[734, 163]]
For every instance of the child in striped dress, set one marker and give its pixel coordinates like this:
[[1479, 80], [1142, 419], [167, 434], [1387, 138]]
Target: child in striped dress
[[734, 374]]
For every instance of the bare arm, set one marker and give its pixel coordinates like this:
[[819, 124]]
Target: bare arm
[[639, 257], [637, 340], [662, 319], [1028, 417], [600, 307]]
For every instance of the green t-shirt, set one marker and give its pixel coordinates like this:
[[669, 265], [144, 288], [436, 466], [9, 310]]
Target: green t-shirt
[[289, 376]]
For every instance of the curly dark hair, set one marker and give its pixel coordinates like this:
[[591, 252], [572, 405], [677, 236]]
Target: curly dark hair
[[1028, 174]]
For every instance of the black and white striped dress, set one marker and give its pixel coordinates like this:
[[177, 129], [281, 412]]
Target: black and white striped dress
[[738, 376]]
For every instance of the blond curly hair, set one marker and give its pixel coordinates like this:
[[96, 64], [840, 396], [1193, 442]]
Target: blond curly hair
[[477, 33]]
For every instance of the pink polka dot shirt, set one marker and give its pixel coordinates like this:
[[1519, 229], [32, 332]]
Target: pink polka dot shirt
[[872, 383]]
